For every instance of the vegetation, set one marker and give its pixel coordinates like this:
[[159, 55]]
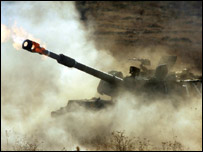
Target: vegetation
[[117, 141]]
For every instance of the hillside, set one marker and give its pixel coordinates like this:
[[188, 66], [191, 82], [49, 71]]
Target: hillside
[[123, 27]]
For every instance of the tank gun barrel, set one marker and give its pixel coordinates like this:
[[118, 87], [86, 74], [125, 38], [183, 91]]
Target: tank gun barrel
[[34, 47]]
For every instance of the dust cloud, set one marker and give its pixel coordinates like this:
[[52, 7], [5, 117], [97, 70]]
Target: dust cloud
[[32, 86]]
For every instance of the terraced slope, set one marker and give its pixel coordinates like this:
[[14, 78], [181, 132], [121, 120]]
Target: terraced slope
[[122, 27]]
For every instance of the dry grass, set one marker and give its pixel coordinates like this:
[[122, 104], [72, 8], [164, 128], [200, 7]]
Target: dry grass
[[125, 143], [120, 142], [21, 144], [172, 146], [25, 146], [117, 141]]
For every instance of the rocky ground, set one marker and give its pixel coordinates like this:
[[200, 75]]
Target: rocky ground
[[122, 27]]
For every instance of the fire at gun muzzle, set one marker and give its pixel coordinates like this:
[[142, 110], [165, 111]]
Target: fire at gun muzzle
[[34, 47]]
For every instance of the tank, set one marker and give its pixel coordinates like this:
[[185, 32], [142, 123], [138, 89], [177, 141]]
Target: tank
[[159, 82]]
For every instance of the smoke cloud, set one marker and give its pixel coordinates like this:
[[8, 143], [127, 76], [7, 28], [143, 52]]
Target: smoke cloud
[[33, 86]]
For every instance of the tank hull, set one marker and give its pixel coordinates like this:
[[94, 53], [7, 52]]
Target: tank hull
[[94, 104]]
